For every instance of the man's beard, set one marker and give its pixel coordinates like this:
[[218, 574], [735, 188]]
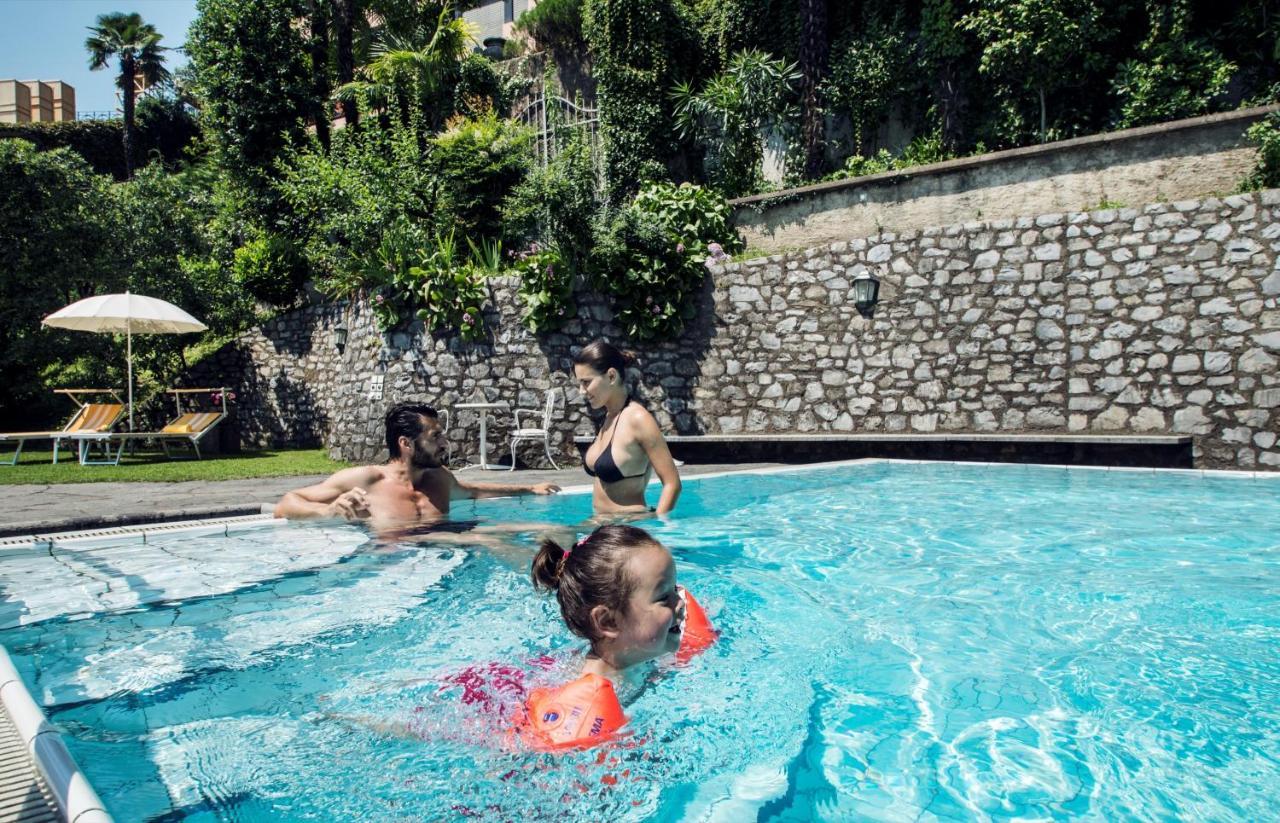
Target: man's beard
[[422, 460]]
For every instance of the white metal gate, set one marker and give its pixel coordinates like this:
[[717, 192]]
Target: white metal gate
[[547, 115]]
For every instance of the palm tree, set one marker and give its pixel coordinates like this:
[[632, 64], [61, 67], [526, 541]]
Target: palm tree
[[409, 66], [137, 45]]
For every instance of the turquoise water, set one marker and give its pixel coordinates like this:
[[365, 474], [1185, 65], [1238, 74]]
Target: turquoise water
[[901, 641]]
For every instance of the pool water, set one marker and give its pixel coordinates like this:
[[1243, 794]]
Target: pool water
[[900, 641]]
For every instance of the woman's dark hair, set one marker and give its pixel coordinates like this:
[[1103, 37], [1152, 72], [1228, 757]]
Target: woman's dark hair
[[405, 420], [592, 573], [603, 356]]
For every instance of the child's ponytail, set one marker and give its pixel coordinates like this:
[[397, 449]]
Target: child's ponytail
[[548, 565]]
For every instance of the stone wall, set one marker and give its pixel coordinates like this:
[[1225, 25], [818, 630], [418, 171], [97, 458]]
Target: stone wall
[[1159, 319], [1171, 161]]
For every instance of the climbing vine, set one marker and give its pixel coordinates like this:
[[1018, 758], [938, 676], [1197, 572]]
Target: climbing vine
[[636, 47]]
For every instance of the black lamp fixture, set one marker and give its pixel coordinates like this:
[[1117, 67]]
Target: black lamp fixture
[[340, 336], [866, 292]]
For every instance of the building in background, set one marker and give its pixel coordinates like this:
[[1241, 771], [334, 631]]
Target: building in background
[[495, 20], [36, 101]]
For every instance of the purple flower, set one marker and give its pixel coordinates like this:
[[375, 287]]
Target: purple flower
[[377, 298], [466, 318], [550, 270], [649, 300], [560, 312], [656, 310], [715, 249], [679, 248], [534, 247]]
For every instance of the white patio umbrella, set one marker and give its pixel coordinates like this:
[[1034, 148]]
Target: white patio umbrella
[[126, 313]]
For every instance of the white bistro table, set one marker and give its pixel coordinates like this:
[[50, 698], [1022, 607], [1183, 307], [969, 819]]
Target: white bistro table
[[484, 409]]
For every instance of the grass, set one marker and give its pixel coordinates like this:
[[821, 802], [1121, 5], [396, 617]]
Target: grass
[[35, 467]]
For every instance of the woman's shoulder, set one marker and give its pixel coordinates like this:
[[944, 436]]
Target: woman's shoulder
[[636, 414]]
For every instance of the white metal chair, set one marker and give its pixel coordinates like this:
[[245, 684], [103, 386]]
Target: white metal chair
[[543, 434]]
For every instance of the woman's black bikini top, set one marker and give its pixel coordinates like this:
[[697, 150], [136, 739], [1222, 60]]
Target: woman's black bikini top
[[605, 468]]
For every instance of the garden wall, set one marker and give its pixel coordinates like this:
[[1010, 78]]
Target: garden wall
[[1170, 161], [1159, 319]]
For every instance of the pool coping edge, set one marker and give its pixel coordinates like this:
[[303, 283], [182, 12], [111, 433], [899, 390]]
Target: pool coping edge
[[143, 529], [71, 790]]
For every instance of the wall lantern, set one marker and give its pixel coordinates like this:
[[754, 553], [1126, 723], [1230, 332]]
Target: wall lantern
[[340, 336], [866, 291]]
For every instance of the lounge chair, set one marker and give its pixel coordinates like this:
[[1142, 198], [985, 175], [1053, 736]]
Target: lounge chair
[[188, 426], [89, 417]]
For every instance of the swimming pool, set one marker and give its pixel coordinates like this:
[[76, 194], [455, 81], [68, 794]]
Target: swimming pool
[[936, 641]]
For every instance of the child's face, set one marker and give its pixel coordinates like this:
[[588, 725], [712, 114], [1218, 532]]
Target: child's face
[[650, 624]]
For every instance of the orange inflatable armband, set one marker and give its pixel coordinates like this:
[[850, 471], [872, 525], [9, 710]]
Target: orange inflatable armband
[[696, 634], [579, 714]]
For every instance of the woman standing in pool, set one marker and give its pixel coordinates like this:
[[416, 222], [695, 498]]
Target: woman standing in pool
[[629, 445]]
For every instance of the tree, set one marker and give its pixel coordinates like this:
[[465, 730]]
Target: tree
[[137, 47], [318, 20], [1036, 44], [345, 15], [943, 51], [54, 235], [252, 79], [1175, 74], [813, 64]]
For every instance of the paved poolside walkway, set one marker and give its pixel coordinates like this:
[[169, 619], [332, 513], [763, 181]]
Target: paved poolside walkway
[[40, 509]]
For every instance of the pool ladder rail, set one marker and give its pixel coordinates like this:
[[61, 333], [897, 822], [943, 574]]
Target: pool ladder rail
[[39, 780]]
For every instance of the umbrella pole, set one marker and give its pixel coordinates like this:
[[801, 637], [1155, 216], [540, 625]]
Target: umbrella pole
[[128, 337]]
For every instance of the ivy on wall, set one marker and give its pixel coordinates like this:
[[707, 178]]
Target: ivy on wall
[[636, 47]]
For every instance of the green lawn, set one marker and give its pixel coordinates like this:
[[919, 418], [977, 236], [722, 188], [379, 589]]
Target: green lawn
[[36, 467]]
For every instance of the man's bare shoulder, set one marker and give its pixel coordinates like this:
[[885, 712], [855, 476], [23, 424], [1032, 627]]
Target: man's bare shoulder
[[358, 476]]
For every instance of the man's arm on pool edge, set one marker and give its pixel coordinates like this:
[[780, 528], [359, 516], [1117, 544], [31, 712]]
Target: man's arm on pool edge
[[466, 489], [342, 494]]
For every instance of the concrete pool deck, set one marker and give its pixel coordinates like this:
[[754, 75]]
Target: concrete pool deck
[[42, 509]]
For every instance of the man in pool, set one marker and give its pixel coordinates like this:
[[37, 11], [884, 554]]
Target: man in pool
[[412, 489]]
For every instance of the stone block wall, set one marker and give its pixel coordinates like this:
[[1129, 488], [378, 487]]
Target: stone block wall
[[1169, 161], [1159, 319]]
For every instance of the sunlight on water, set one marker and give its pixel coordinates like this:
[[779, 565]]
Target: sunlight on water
[[932, 641]]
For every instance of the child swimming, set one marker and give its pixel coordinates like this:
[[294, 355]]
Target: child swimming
[[617, 589]]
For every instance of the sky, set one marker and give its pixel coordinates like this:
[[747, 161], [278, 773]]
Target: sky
[[44, 40]]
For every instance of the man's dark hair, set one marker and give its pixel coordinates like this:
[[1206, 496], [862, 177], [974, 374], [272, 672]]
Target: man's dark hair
[[405, 420]]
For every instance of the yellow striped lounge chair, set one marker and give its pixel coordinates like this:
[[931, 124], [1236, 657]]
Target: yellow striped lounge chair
[[90, 417], [187, 426]]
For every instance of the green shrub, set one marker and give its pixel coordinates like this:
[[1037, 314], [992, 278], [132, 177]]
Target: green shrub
[[478, 160], [448, 295], [270, 268], [1175, 74], [729, 112], [343, 204], [1266, 172], [869, 70], [650, 255], [546, 289], [557, 204], [556, 25], [919, 152], [165, 129]]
